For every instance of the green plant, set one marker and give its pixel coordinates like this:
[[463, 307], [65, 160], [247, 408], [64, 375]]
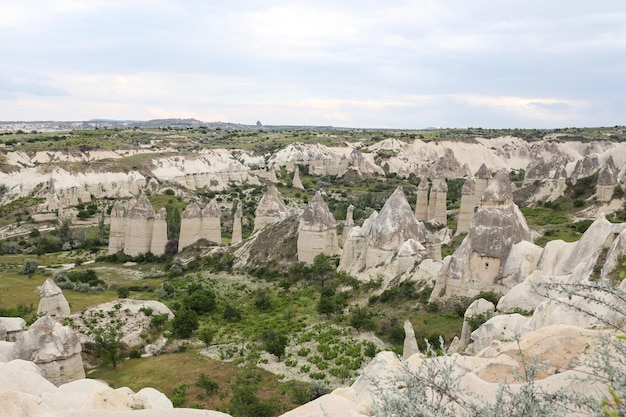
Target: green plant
[[107, 342]]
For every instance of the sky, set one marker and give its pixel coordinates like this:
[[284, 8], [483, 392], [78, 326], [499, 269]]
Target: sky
[[351, 63]]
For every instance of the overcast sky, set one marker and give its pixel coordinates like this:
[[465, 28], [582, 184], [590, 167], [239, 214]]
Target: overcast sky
[[352, 63]]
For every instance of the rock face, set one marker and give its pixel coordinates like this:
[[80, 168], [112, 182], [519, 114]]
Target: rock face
[[190, 225], [138, 228], [478, 262], [271, 208], [439, 202], [211, 225], [237, 230], [317, 232], [159, 232], [54, 348], [52, 302], [395, 231], [117, 229]]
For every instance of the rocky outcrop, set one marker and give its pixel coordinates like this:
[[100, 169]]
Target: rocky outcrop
[[348, 224], [479, 311], [478, 262], [317, 232], [118, 228], [54, 348], [271, 209], [139, 223], [237, 227], [159, 232], [52, 302], [190, 225], [410, 342]]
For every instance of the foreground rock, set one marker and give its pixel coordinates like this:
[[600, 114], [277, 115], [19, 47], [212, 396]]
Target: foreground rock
[[54, 348], [52, 300]]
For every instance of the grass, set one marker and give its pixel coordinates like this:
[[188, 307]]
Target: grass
[[165, 372]]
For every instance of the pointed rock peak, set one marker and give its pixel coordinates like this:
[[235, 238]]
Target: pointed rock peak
[[142, 209], [423, 185], [499, 190], [601, 217], [239, 211], [469, 187], [161, 214], [483, 172], [49, 288], [212, 209], [442, 187], [317, 213], [271, 203], [606, 177], [192, 211]]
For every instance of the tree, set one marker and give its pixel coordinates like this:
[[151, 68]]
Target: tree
[[275, 343], [184, 323], [206, 334], [64, 231], [201, 301], [207, 384], [29, 268], [172, 220], [263, 300], [108, 342]]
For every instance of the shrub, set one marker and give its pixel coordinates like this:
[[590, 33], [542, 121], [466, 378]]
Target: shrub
[[207, 384], [184, 323]]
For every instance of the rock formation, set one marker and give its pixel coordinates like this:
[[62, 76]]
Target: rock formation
[[410, 342], [605, 186], [421, 203], [190, 225], [159, 232], [348, 224], [237, 228], [481, 181], [271, 208], [54, 348], [117, 229], [478, 262], [479, 309], [52, 300], [439, 212], [296, 182], [211, 225], [468, 203], [317, 232], [138, 228], [395, 231]]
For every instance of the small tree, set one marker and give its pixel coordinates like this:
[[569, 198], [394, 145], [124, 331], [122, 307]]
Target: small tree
[[207, 384], [206, 335], [184, 323], [275, 343], [29, 268], [108, 342]]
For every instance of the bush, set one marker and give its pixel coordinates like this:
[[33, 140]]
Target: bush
[[275, 343], [207, 384], [201, 301], [231, 313]]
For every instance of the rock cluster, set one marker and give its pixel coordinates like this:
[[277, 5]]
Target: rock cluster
[[317, 232], [388, 244], [477, 264]]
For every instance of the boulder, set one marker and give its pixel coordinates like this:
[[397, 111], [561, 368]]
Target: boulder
[[54, 348], [52, 300], [505, 327]]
